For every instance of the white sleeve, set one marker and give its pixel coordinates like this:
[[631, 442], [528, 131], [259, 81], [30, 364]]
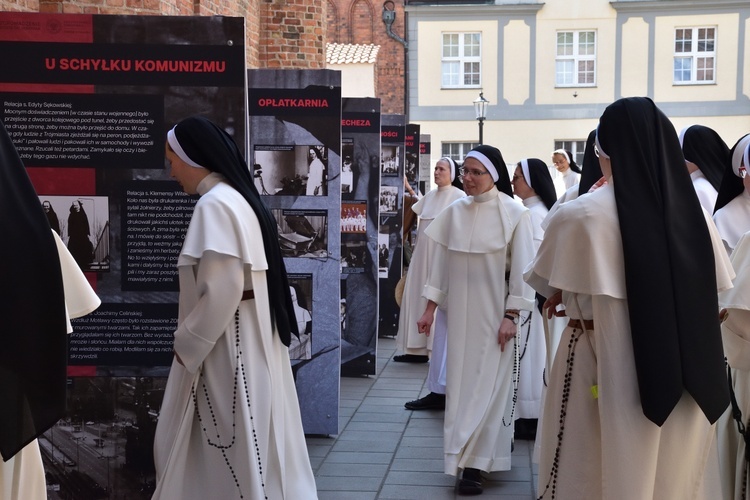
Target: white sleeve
[[520, 294], [436, 287], [219, 284], [80, 298]]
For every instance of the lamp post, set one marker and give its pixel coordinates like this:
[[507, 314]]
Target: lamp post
[[480, 109]]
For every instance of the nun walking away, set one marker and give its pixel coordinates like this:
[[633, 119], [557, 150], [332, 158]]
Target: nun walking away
[[43, 289], [732, 211], [229, 425], [591, 180], [706, 158], [532, 183], [639, 378], [482, 244]]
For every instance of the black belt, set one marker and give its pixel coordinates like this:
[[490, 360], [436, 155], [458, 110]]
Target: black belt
[[248, 294]]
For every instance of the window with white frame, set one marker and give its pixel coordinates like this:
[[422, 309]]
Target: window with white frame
[[575, 147], [575, 62], [695, 55], [461, 60], [456, 151]]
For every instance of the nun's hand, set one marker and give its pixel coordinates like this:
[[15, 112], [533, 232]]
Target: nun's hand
[[506, 333], [723, 315], [550, 305], [598, 184], [424, 325]]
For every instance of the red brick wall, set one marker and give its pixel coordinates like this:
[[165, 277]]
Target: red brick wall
[[295, 34], [280, 33], [142, 7], [19, 5], [360, 21]]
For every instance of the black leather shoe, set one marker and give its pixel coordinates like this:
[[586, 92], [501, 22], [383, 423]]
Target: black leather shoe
[[433, 401], [410, 358], [471, 482], [525, 428]]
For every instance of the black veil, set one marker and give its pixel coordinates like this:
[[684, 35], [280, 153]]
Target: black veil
[[669, 263], [211, 147], [32, 306]]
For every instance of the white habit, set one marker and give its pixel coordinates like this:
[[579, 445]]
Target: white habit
[[733, 220], [480, 239], [531, 337], [236, 370], [408, 338], [707, 194], [609, 449], [735, 333], [315, 178], [22, 477], [564, 181]]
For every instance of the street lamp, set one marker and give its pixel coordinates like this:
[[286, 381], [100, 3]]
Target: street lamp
[[480, 109]]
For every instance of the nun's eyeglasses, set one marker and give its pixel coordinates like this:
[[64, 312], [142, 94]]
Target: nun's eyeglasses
[[465, 172]]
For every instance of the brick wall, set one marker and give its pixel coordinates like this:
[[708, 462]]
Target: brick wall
[[280, 33], [295, 34], [19, 5], [360, 21]]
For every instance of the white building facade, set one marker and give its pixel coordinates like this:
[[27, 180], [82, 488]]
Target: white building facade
[[550, 68]]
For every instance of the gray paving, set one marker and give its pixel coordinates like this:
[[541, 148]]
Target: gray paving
[[384, 451]]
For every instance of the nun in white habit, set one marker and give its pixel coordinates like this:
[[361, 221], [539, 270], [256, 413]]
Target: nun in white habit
[[533, 184], [732, 211], [483, 242], [43, 289], [735, 333], [568, 172], [638, 380], [408, 339], [413, 304], [229, 425], [706, 158]]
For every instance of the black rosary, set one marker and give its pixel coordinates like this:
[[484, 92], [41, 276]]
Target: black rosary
[[567, 380], [239, 367]]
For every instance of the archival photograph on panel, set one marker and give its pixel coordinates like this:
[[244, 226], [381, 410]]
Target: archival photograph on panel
[[388, 199], [354, 217], [281, 170], [411, 169], [389, 160], [82, 222], [354, 253], [301, 289], [383, 251], [302, 233], [347, 168]]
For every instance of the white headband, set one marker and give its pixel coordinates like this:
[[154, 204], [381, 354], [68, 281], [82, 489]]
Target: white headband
[[562, 152], [682, 135], [741, 152], [175, 145], [525, 170], [599, 146], [486, 162], [682, 141], [452, 165]]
